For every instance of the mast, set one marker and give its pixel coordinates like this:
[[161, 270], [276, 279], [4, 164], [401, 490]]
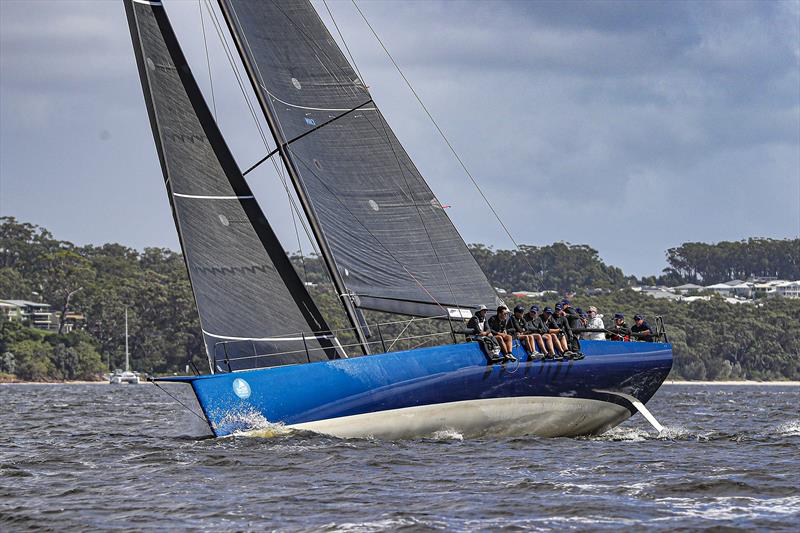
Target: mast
[[308, 208], [127, 362]]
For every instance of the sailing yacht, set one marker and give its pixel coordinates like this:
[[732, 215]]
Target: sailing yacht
[[386, 243], [125, 376]]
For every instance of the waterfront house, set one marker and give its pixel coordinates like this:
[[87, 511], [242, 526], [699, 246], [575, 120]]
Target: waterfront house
[[37, 314]]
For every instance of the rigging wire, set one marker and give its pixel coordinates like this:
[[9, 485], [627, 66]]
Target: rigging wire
[[208, 61], [347, 48], [314, 45], [175, 398], [400, 166], [279, 169], [441, 133]]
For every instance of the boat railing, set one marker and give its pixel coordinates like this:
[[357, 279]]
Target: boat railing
[[302, 347]]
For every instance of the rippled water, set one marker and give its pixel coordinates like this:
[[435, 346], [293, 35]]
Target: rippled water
[[83, 457]]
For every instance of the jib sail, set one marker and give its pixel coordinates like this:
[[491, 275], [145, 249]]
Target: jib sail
[[391, 241]]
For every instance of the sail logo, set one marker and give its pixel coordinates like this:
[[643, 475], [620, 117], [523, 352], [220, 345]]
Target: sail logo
[[311, 121], [241, 388], [187, 138], [224, 270], [163, 68]]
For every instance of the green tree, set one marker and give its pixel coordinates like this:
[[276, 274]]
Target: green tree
[[13, 286], [33, 360], [66, 272]]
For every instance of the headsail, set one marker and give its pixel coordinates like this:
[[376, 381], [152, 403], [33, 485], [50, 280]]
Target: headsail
[[248, 294], [392, 242]]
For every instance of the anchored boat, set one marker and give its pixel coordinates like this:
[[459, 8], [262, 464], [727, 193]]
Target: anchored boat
[[387, 245]]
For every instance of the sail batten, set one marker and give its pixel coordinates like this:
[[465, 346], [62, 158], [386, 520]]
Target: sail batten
[[390, 240], [247, 292]]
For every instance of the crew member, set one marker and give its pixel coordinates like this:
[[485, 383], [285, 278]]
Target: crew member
[[498, 325], [553, 324], [535, 326], [642, 328], [567, 320], [595, 321], [619, 331], [478, 323], [570, 312], [517, 326]]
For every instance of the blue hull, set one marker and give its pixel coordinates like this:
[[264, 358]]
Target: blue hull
[[354, 390]]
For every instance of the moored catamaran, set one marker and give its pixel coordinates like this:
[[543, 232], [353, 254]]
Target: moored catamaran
[[387, 245]]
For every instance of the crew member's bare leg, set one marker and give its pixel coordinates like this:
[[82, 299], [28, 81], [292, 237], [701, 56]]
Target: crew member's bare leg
[[548, 339], [528, 342], [506, 342]]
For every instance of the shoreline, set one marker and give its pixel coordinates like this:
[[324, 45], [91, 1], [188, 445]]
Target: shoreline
[[77, 382], [742, 382]]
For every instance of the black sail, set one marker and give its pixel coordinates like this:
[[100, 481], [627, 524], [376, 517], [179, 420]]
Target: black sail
[[392, 242], [254, 309]]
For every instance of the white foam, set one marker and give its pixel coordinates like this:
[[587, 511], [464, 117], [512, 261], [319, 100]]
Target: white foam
[[251, 423], [624, 434], [448, 434], [733, 507], [789, 429], [387, 524]]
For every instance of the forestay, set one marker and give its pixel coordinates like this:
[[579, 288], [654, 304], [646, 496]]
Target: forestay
[[392, 242], [250, 300]]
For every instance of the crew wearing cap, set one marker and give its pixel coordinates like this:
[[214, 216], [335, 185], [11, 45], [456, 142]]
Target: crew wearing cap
[[534, 325], [516, 325], [569, 311], [595, 321], [498, 325], [478, 323], [619, 331], [642, 328]]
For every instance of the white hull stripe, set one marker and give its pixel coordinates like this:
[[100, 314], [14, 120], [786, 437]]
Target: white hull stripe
[[543, 416], [148, 2], [213, 197]]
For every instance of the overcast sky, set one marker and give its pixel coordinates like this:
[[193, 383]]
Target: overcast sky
[[628, 126]]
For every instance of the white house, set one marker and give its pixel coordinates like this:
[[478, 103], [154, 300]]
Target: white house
[[788, 289], [683, 289], [37, 313]]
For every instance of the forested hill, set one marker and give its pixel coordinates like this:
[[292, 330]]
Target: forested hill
[[712, 340]]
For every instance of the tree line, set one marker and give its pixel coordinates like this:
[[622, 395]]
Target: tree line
[[711, 340], [698, 262]]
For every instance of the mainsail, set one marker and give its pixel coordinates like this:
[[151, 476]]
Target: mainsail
[[251, 302], [394, 247]]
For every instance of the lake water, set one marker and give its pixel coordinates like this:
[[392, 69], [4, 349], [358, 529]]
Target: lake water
[[90, 457]]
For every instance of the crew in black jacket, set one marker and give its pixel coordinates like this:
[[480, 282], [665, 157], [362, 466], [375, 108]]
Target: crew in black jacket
[[516, 324], [619, 331], [478, 323], [536, 327], [498, 325], [568, 339], [640, 326], [553, 325]]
